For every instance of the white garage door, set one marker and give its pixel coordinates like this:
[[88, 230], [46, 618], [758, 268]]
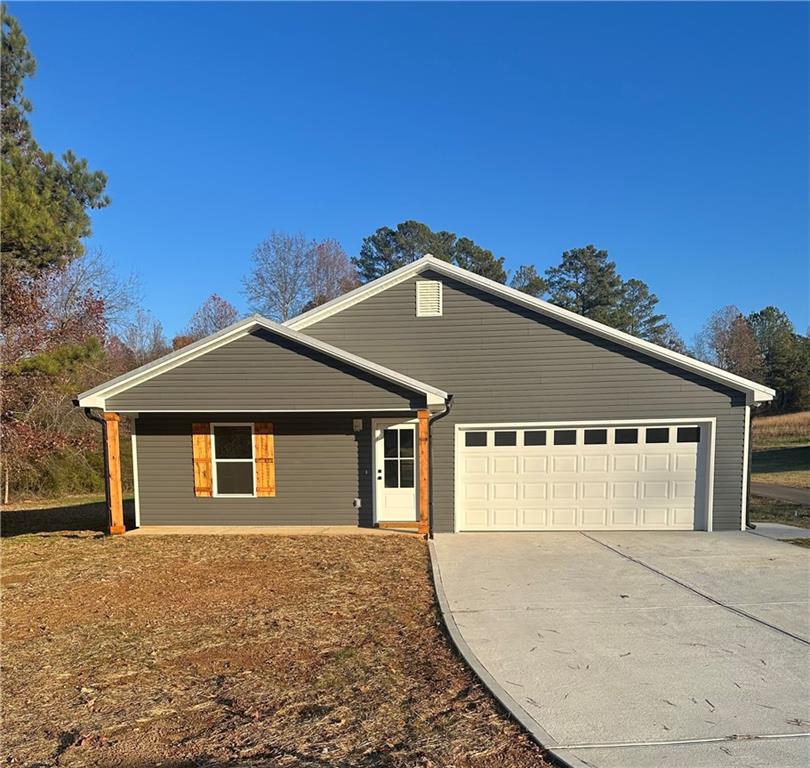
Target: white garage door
[[579, 478]]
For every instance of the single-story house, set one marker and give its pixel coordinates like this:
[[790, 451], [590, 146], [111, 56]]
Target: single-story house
[[432, 398]]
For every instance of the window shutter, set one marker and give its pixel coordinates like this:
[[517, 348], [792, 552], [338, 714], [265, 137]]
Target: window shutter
[[201, 450], [265, 457]]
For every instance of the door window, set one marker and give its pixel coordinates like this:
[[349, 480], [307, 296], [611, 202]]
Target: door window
[[398, 455]]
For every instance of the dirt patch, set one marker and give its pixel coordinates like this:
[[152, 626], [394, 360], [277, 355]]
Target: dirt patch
[[256, 651]]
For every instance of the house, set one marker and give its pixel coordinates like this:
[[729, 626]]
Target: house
[[432, 397]]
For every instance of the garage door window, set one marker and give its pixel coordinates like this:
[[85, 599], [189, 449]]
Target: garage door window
[[595, 437], [658, 435], [475, 439], [565, 437], [688, 434], [534, 437], [626, 436], [505, 438]]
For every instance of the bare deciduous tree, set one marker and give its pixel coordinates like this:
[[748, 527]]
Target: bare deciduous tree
[[94, 273], [144, 338], [331, 273], [728, 342], [277, 285], [214, 314]]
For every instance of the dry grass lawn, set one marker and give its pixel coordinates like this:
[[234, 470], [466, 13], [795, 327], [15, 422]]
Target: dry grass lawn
[[784, 429], [250, 651], [774, 511]]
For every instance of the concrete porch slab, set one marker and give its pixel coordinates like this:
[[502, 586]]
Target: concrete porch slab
[[262, 530]]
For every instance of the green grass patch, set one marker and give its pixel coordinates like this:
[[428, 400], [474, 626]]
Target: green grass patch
[[782, 466]]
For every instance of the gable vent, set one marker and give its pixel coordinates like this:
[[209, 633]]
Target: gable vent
[[428, 298]]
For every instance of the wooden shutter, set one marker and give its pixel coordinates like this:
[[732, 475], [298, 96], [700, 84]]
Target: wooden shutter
[[265, 457], [201, 450]]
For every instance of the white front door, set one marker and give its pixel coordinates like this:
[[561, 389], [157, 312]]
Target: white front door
[[394, 471]]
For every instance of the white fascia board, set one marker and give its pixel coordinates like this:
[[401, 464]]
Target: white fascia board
[[97, 397], [756, 392]]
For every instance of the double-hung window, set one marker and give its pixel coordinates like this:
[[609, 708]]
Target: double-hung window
[[233, 459]]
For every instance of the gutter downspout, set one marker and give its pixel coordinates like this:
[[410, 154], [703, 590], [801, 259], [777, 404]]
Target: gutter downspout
[[88, 412], [435, 417], [748, 524]]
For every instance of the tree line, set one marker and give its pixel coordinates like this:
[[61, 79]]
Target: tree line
[[70, 321]]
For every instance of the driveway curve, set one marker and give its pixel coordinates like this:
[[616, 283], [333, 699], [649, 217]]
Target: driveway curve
[[631, 649]]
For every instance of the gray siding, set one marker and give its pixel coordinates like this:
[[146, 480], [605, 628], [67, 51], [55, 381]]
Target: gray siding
[[264, 371], [321, 467], [506, 363]]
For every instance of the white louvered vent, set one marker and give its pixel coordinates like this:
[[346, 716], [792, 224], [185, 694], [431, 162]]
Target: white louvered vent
[[428, 298]]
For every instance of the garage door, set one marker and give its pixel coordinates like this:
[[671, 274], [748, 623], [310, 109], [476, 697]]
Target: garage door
[[579, 478]]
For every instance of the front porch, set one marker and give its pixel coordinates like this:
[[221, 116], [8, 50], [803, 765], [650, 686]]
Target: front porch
[[306, 473]]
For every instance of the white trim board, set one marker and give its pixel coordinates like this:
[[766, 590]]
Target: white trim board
[[756, 392], [710, 422], [134, 439], [97, 397]]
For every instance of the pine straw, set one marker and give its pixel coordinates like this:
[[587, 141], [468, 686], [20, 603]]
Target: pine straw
[[254, 651]]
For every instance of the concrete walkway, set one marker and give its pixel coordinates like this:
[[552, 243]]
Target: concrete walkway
[[637, 649], [780, 532], [782, 493]]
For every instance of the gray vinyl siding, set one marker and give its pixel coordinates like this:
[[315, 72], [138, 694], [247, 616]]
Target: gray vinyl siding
[[322, 465], [505, 363], [263, 371]]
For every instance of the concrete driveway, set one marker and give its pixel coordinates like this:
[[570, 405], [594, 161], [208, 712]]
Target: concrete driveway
[[633, 649]]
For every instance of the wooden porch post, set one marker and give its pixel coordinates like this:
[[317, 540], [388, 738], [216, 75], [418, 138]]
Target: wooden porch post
[[424, 477], [112, 465]]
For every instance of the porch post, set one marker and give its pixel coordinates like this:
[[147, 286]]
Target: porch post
[[112, 465], [424, 478]]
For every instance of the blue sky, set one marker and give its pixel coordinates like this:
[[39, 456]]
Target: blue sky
[[674, 135]]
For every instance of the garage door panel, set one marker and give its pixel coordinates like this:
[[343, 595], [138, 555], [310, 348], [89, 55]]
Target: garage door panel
[[594, 490], [561, 464], [535, 464], [535, 490], [597, 463], [627, 463], [534, 518], [656, 463], [563, 490], [616, 481]]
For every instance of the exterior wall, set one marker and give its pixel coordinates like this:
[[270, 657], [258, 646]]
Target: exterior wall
[[322, 465], [505, 363], [264, 371]]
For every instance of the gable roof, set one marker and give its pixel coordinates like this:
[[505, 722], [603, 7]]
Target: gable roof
[[97, 397], [755, 392]]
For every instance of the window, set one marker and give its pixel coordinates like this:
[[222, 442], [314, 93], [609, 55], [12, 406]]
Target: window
[[234, 473], [506, 438], [565, 437], [657, 435], [475, 439], [534, 437], [428, 298], [626, 436], [398, 454], [595, 436], [688, 434]]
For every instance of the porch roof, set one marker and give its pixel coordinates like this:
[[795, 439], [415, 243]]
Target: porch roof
[[282, 371]]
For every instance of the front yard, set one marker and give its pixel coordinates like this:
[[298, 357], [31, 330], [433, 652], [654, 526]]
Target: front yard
[[256, 651]]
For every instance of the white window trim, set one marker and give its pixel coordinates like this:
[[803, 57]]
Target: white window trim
[[214, 459], [709, 423]]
